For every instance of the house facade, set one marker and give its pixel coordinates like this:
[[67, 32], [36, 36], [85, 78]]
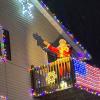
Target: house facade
[[21, 19]]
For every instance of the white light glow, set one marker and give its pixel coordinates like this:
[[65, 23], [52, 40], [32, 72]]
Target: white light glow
[[63, 85], [26, 8], [3, 98]]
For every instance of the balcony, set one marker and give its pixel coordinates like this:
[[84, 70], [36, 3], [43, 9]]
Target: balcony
[[55, 76]]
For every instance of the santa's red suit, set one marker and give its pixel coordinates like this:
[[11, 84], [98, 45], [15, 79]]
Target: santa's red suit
[[61, 53]]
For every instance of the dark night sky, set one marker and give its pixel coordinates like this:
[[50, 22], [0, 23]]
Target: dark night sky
[[82, 17]]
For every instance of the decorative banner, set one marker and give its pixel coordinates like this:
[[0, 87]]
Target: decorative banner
[[87, 77], [26, 8]]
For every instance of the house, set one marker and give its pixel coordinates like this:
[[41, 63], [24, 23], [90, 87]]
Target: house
[[22, 19]]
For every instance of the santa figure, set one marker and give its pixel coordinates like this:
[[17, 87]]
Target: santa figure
[[62, 51]]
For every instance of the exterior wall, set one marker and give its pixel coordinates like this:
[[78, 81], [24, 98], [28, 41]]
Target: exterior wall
[[3, 90], [14, 78]]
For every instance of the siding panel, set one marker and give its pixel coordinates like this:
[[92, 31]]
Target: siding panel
[[3, 89], [15, 82]]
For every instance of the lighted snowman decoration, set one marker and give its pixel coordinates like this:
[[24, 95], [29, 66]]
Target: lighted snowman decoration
[[63, 84]]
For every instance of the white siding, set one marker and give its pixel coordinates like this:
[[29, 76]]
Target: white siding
[[3, 90], [14, 77]]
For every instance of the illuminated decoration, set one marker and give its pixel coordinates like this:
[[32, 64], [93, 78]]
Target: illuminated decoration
[[51, 77], [40, 74], [62, 29], [46, 79], [3, 98], [3, 52], [26, 8], [87, 77], [63, 85]]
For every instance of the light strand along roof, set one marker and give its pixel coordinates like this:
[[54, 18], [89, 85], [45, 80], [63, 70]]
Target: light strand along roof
[[82, 53]]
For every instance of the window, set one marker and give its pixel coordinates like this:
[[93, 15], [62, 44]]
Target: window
[[5, 53]]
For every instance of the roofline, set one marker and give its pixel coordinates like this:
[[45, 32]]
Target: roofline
[[55, 23]]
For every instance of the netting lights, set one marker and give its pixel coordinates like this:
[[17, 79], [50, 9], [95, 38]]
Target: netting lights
[[87, 77], [26, 8]]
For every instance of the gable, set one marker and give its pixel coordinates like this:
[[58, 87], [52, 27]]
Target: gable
[[79, 50]]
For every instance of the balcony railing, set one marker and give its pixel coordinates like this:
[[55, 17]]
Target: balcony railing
[[50, 78]]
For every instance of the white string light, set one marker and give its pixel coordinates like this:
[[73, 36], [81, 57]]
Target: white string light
[[3, 98], [26, 8]]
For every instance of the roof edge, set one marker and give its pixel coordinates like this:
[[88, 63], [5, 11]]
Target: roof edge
[[83, 54]]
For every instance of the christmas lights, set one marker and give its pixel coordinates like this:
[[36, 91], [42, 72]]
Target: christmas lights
[[87, 77], [26, 8], [47, 78], [87, 89], [81, 69], [2, 42], [3, 98], [63, 85], [51, 77], [88, 56]]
